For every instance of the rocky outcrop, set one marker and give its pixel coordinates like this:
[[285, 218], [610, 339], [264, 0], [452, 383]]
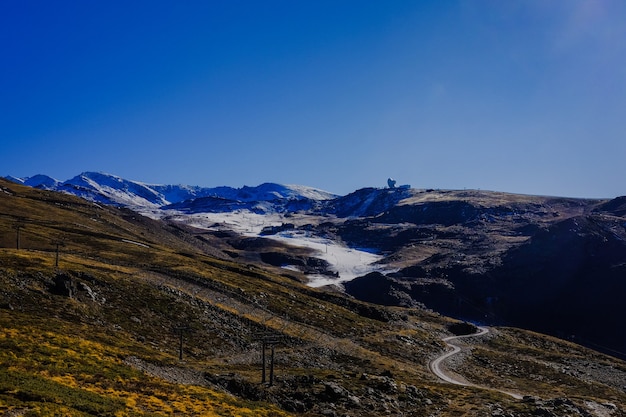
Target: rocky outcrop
[[306, 264], [63, 285], [70, 286]]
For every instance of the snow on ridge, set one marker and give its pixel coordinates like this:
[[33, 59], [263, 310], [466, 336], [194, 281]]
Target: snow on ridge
[[16, 180], [176, 193], [272, 191], [102, 186], [41, 181], [310, 192]]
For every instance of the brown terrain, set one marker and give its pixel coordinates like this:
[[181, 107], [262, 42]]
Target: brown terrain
[[106, 312]]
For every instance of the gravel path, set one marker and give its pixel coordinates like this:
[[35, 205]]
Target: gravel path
[[435, 364]]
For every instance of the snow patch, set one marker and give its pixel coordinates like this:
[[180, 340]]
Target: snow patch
[[136, 243], [348, 263]]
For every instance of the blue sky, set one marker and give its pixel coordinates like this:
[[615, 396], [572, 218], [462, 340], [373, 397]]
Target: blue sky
[[520, 96]]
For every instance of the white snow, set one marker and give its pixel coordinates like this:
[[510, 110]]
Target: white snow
[[241, 221], [136, 243], [130, 199], [348, 263], [309, 192]]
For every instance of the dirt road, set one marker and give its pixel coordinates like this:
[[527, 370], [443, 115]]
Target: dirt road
[[435, 364]]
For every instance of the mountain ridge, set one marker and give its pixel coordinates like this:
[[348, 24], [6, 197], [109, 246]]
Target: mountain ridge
[[453, 251], [129, 315], [112, 189]]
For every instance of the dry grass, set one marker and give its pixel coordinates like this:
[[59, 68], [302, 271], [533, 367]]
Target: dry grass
[[68, 356]]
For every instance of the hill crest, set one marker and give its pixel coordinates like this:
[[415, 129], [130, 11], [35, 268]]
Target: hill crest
[[454, 251]]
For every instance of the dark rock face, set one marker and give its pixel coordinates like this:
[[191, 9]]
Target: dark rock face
[[73, 287], [380, 289], [569, 281], [443, 213], [616, 207], [462, 329], [566, 277], [63, 285], [306, 264]]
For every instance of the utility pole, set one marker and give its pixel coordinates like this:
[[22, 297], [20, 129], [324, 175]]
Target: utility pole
[[272, 365], [181, 330], [18, 226], [263, 361], [268, 341], [57, 243]]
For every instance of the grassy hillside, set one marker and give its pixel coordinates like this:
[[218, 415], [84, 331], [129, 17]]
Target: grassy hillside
[[100, 334]]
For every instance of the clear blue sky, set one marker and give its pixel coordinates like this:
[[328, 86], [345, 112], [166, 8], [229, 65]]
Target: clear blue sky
[[521, 96]]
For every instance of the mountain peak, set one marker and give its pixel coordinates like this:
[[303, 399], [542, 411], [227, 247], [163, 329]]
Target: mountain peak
[[269, 191], [40, 181], [114, 190]]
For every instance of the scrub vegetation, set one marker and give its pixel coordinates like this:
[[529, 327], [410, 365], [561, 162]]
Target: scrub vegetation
[[95, 328]]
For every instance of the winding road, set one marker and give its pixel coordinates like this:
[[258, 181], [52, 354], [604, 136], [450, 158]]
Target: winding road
[[435, 364]]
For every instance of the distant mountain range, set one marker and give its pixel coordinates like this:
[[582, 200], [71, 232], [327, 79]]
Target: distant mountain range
[[266, 198], [113, 190], [551, 264]]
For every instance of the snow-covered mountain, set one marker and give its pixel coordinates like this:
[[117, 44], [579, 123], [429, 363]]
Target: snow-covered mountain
[[251, 211], [40, 181], [113, 190]]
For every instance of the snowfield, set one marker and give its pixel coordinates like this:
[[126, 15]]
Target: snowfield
[[347, 262]]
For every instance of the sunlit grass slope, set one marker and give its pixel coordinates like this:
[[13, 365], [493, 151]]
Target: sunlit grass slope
[[99, 333], [50, 368]]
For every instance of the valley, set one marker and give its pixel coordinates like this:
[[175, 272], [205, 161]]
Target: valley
[[97, 334]]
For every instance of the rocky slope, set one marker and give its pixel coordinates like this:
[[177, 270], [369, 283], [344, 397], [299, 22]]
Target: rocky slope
[[554, 265], [100, 334]]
